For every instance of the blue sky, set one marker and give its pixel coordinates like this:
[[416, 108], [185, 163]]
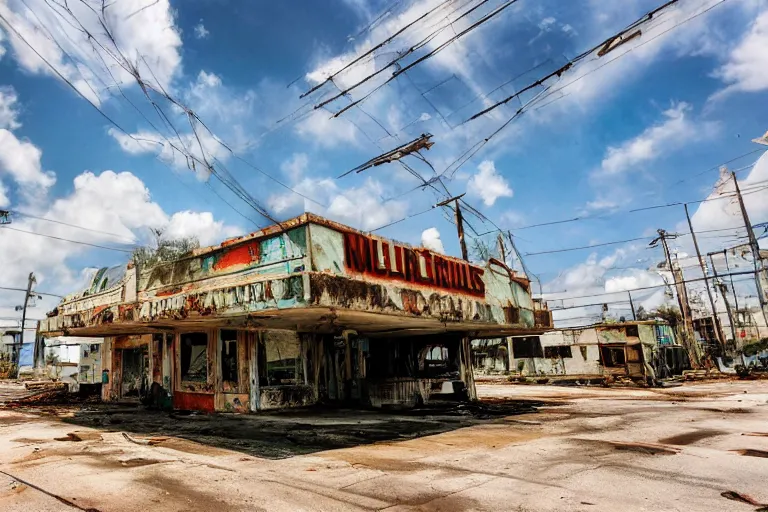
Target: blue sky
[[685, 96]]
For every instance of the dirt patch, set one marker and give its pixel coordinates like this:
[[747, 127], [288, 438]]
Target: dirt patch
[[79, 436], [732, 410], [691, 437], [9, 421], [752, 453], [29, 440], [646, 448], [186, 446], [187, 496]]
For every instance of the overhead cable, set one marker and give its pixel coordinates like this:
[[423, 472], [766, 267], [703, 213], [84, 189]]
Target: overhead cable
[[129, 251]]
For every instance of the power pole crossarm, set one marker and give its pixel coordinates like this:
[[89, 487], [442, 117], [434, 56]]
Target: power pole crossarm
[[459, 223]]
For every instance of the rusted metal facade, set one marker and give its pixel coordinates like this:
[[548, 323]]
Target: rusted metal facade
[[292, 314]]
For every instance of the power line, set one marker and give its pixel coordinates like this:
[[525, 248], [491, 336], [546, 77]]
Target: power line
[[587, 246], [633, 210], [619, 242], [21, 214], [606, 47], [227, 179], [129, 251], [717, 167], [33, 292], [665, 285], [401, 55]]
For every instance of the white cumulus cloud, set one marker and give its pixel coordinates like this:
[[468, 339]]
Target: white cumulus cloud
[[143, 30], [488, 184], [746, 69], [430, 238], [8, 108], [200, 31], [674, 129]]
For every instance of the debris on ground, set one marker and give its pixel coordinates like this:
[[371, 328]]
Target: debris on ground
[[743, 498], [44, 385], [45, 393]]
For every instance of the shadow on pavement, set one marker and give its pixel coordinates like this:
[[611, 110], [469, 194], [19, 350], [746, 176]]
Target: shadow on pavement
[[284, 433]]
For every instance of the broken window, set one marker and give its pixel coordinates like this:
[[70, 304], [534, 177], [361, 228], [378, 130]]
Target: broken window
[[558, 351], [282, 353], [528, 346], [194, 357], [436, 359], [229, 356], [612, 356], [632, 331]]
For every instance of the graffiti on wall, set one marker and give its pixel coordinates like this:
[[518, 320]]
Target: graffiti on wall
[[380, 258]]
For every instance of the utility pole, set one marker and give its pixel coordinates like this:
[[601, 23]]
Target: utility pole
[[459, 223], [702, 263], [733, 288], [502, 251], [757, 260], [30, 281], [682, 297], [722, 287], [632, 305]]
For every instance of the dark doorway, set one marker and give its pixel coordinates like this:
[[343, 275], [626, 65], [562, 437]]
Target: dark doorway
[[134, 375]]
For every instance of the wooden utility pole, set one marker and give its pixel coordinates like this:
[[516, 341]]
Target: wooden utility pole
[[733, 288], [756, 259], [632, 305], [722, 287], [30, 281], [459, 223], [702, 263], [682, 297], [502, 251]]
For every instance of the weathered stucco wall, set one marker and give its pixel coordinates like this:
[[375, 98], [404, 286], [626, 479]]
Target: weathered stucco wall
[[317, 263]]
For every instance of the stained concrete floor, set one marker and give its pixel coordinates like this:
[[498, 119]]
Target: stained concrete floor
[[696, 447]]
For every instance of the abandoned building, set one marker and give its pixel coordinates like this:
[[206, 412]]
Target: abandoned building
[[309, 310], [637, 350]]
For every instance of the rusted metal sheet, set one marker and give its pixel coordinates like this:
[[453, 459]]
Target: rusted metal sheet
[[193, 401]]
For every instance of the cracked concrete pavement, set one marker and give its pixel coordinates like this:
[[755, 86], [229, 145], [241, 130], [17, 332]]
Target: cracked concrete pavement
[[702, 446]]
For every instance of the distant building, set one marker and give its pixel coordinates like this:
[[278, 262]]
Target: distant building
[[74, 361], [638, 350]]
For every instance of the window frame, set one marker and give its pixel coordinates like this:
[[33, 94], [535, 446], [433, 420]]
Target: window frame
[[536, 350]]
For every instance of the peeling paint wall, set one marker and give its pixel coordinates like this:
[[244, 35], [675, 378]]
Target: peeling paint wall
[[315, 263]]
